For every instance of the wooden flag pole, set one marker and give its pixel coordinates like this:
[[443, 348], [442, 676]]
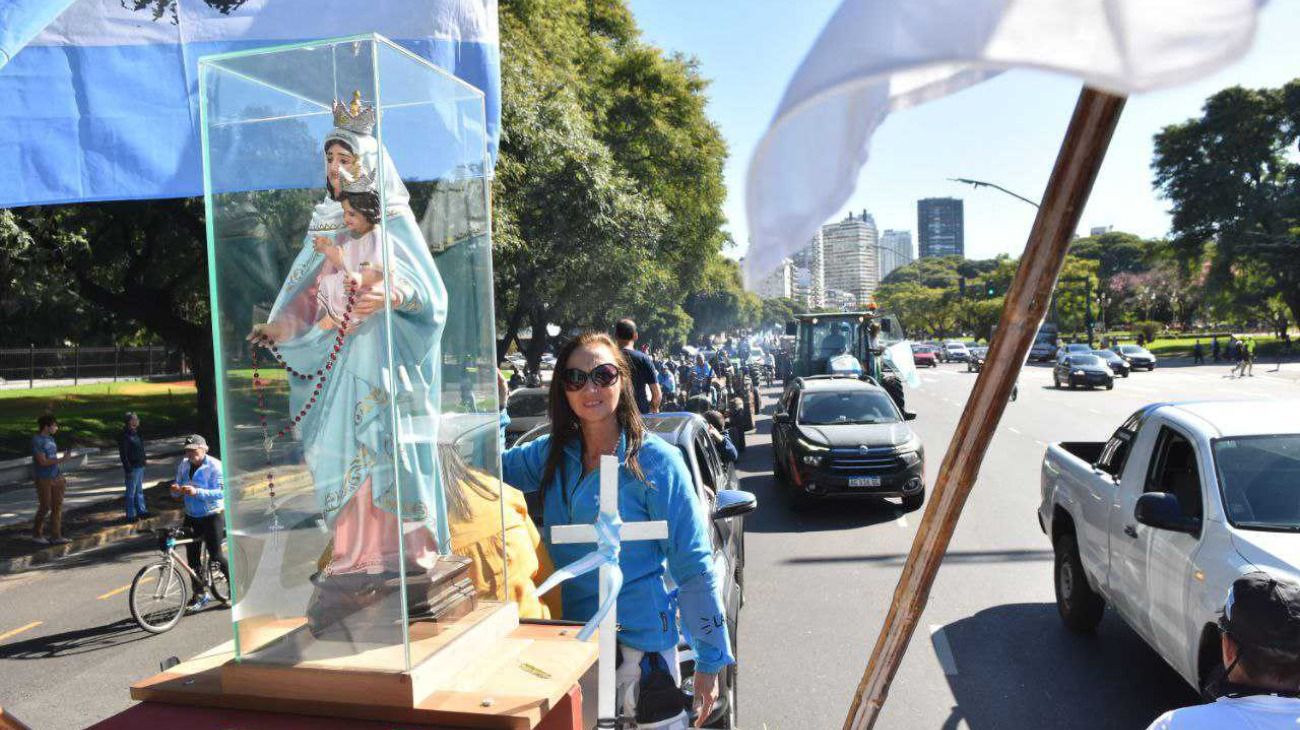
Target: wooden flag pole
[[1077, 164]]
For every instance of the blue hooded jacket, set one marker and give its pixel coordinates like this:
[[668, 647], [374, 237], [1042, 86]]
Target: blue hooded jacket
[[647, 613]]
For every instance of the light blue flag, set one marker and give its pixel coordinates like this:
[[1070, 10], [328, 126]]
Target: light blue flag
[[22, 20], [102, 104]]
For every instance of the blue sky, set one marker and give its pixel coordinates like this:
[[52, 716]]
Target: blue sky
[[1006, 130]]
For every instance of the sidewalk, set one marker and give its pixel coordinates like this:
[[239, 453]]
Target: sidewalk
[[93, 507]]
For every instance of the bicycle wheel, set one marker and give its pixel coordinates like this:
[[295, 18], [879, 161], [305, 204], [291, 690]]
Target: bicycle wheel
[[158, 596], [218, 582]]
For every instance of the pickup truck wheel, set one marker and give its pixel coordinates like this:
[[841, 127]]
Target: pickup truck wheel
[[1078, 604], [1110, 385]]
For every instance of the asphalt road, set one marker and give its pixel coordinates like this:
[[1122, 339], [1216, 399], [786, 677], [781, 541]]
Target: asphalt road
[[990, 652]]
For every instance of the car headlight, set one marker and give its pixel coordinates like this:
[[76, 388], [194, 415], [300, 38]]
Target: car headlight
[[806, 445], [911, 458]]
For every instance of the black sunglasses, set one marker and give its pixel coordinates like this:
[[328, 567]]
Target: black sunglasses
[[602, 375]]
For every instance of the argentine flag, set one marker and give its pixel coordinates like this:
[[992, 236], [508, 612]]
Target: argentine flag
[[102, 103]]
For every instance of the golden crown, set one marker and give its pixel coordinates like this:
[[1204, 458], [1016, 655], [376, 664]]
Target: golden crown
[[354, 117]]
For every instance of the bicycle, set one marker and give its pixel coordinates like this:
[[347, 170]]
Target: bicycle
[[160, 592]]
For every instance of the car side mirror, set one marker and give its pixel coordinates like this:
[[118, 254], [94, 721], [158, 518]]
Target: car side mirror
[[734, 503], [781, 418], [909, 416], [1162, 511]]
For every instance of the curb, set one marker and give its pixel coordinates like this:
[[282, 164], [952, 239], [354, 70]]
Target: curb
[[105, 536]]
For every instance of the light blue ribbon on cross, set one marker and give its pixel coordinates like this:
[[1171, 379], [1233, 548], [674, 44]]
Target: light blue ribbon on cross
[[608, 542]]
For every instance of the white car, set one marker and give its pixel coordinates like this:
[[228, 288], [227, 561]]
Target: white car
[[955, 352], [1159, 521]]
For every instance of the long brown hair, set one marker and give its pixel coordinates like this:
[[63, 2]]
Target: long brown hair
[[564, 422]]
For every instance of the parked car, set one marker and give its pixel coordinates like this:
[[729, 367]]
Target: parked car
[[1159, 521], [975, 362], [955, 351], [1086, 369], [924, 356], [1138, 357], [1117, 364], [527, 410], [837, 437], [715, 485]]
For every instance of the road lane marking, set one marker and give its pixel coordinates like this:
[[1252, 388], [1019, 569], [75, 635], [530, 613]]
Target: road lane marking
[[942, 651], [20, 629], [124, 588], [1094, 411], [1014, 430]]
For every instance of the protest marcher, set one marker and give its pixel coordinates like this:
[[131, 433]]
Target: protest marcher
[[1260, 645], [644, 376], [50, 483], [130, 450]]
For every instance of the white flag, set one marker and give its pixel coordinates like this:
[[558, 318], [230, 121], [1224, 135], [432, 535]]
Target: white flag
[[877, 56]]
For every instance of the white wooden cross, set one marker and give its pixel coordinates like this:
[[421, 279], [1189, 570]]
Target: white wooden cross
[[632, 531]]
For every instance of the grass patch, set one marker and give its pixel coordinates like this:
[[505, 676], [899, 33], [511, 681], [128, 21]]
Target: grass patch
[[91, 415]]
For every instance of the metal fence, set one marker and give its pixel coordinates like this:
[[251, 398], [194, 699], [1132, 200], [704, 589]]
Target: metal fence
[[38, 364]]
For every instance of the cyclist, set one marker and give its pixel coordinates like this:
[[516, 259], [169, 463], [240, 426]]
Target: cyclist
[[199, 483]]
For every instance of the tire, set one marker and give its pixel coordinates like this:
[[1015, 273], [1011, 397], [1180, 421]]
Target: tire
[[913, 502], [158, 596], [218, 582], [1079, 606]]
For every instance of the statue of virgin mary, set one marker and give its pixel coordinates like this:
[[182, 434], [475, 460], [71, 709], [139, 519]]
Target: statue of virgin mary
[[376, 482]]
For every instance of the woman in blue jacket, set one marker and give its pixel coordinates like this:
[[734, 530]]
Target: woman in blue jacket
[[593, 414]]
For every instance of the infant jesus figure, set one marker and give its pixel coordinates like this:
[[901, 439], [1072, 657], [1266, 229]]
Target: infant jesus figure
[[353, 259]]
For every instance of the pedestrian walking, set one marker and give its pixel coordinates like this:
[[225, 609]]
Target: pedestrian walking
[[50, 483], [130, 450], [1214, 348], [1249, 368], [199, 483], [1259, 643], [1198, 354], [644, 376]]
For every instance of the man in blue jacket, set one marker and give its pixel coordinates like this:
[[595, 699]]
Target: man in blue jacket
[[199, 483]]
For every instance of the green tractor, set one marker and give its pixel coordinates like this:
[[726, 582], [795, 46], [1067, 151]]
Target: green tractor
[[846, 344]]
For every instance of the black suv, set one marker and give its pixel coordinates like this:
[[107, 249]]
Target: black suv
[[844, 437]]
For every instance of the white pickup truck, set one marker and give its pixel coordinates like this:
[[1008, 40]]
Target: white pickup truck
[[1158, 521]]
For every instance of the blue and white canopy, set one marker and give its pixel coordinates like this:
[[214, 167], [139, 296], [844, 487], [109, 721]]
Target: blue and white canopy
[[101, 104]]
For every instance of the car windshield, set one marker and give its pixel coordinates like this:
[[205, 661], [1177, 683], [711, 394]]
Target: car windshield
[[1260, 479], [1084, 360], [858, 406], [1132, 350], [1105, 354], [527, 405]]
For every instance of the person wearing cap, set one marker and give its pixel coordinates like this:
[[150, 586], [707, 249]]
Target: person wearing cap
[[1260, 642], [199, 484], [130, 450]]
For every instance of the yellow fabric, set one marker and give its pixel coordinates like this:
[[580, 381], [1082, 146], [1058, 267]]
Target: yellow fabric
[[481, 539]]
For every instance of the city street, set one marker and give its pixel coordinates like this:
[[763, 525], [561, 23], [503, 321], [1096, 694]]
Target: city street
[[990, 652]]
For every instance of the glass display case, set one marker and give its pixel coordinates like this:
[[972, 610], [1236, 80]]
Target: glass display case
[[350, 265]]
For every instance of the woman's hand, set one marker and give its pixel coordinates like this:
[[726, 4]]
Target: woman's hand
[[706, 694], [270, 330]]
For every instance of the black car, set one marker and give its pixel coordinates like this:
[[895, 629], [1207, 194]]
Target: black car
[[1076, 369], [1137, 356], [1117, 364], [835, 437], [715, 484]]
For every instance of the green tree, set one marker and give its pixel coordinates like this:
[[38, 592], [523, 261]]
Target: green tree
[[1231, 181]]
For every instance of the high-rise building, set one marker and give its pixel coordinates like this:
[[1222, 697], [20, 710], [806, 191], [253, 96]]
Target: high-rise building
[[779, 283], [849, 255], [1100, 230], [940, 227], [895, 251], [809, 274]]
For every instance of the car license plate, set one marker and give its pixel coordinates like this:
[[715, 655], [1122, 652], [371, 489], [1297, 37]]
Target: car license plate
[[864, 481]]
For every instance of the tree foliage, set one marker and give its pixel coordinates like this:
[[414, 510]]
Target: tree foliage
[[1232, 181]]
